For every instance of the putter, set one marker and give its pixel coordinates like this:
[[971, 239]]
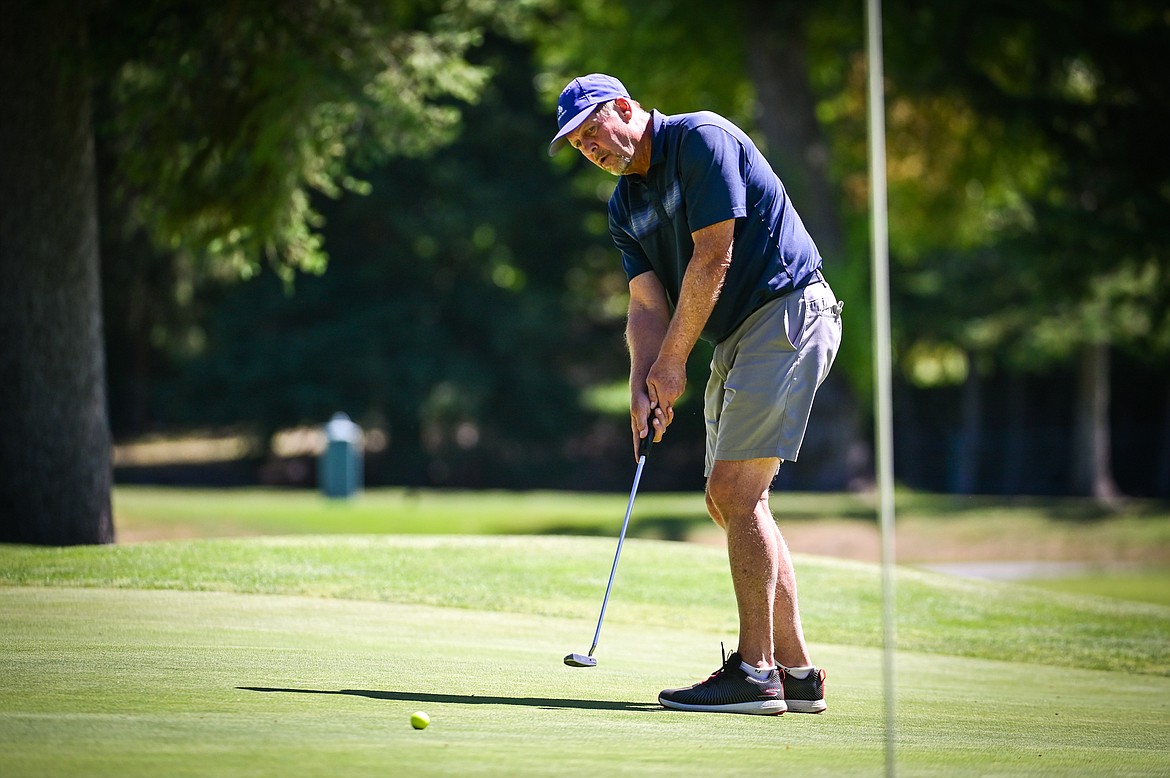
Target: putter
[[577, 660]]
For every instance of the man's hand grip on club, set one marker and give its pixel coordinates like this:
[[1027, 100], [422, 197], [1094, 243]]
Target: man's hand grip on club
[[648, 428]]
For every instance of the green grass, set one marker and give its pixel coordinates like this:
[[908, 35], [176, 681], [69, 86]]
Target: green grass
[[306, 656], [304, 652], [152, 513], [1152, 585], [562, 576], [929, 525]]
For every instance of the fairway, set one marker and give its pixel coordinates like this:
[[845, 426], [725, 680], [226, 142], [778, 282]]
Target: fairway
[[307, 656]]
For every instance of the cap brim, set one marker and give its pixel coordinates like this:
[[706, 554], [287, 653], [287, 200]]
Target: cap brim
[[558, 141]]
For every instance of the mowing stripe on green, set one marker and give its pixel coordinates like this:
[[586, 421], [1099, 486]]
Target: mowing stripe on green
[[677, 585], [118, 682]]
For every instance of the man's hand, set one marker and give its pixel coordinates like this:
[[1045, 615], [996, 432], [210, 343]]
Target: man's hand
[[665, 384], [641, 419]]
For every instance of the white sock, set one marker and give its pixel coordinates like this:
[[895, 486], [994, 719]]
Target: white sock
[[799, 673], [756, 672]]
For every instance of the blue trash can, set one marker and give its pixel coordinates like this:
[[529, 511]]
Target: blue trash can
[[339, 469]]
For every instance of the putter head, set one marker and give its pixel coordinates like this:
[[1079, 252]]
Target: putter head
[[580, 660]]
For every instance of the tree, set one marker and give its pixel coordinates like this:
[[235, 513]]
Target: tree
[[782, 50], [447, 319], [54, 439], [226, 115], [1082, 266]]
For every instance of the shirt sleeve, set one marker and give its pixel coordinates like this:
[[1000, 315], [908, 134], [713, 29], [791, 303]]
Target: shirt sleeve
[[713, 170], [634, 259]]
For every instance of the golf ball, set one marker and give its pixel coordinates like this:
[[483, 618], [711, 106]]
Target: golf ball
[[419, 720]]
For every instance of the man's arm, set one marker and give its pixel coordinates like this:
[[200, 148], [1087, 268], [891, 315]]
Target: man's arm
[[701, 286], [646, 326]]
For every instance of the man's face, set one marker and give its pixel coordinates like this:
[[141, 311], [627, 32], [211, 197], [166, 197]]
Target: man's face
[[605, 138]]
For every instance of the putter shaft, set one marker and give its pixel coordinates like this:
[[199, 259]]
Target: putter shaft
[[622, 535], [576, 660]]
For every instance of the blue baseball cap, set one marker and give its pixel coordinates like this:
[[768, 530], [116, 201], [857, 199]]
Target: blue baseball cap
[[579, 99]]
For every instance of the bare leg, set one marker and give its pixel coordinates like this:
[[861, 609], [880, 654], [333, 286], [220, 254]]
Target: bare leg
[[737, 498], [759, 564], [791, 650]]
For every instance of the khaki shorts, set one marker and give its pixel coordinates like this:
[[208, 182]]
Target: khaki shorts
[[765, 375]]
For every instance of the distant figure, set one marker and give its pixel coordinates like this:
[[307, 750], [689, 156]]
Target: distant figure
[[339, 470]]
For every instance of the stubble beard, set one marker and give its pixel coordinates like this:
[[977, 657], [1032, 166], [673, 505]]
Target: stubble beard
[[622, 164]]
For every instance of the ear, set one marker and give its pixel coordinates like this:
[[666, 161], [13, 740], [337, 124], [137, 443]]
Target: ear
[[624, 107]]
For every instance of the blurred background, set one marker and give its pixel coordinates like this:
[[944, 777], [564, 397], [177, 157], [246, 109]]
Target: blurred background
[[327, 206]]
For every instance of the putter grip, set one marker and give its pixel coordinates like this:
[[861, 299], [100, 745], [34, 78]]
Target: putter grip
[[648, 441]]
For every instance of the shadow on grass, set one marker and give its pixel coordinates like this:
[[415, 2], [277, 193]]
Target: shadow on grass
[[471, 699]]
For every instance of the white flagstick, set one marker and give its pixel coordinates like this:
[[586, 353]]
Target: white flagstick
[[883, 405]]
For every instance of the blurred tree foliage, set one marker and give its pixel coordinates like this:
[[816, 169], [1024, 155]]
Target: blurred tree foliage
[[217, 122], [224, 117], [451, 317], [462, 242], [1025, 180], [1025, 131], [225, 128], [473, 305]]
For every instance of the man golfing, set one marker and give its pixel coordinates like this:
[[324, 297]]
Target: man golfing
[[713, 248]]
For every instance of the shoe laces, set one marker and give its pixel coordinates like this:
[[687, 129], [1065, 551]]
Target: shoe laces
[[723, 666]]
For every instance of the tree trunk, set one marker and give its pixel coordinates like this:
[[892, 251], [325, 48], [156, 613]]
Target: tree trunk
[[1093, 463], [54, 432], [799, 153], [796, 146]]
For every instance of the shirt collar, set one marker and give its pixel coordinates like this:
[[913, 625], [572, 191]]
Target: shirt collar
[[658, 142], [657, 148]]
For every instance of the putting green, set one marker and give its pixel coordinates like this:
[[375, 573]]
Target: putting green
[[106, 681], [682, 586]]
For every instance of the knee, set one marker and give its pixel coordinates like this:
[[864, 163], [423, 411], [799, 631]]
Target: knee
[[716, 499], [714, 512], [730, 501], [723, 499]]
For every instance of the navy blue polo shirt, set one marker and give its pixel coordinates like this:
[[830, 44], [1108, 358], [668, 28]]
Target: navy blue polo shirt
[[705, 170]]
